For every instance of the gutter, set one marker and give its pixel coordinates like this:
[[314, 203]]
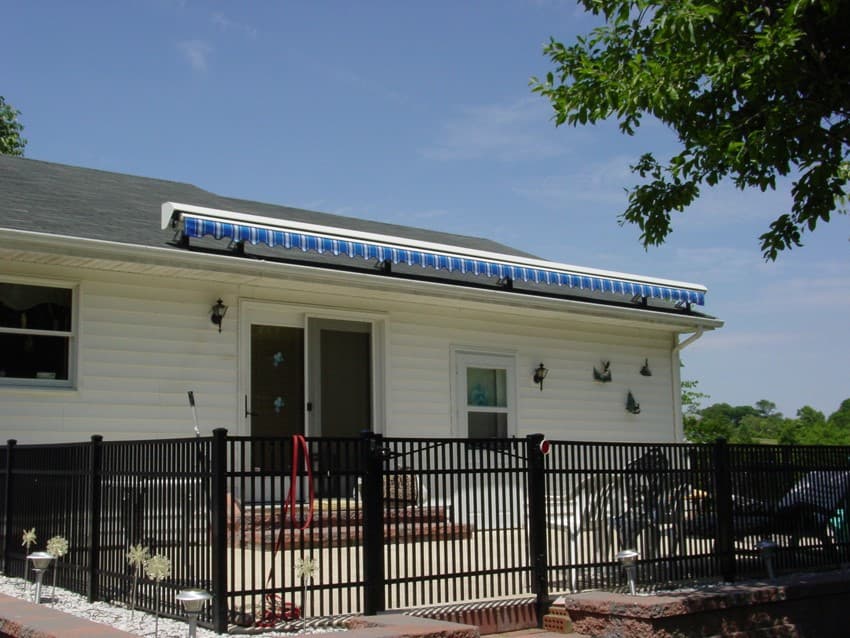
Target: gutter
[[684, 344], [676, 366]]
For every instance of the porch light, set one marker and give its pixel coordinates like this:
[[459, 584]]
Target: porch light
[[217, 313], [767, 549], [628, 561], [540, 374], [40, 562], [193, 601]]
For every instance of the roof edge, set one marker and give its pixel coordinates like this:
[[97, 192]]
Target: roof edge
[[131, 253]]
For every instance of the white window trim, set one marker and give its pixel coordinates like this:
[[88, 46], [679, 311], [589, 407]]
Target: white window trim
[[72, 335], [465, 357]]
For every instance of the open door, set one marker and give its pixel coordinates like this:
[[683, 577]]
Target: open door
[[340, 377], [340, 394]]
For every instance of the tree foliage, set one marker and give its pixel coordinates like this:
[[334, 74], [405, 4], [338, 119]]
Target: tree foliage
[[11, 142], [753, 89], [762, 423]]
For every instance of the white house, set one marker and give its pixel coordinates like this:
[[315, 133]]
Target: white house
[[333, 325]]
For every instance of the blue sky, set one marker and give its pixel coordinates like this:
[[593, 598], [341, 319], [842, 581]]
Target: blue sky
[[420, 113]]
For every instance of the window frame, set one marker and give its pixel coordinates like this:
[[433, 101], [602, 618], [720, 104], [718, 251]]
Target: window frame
[[463, 359], [71, 336]]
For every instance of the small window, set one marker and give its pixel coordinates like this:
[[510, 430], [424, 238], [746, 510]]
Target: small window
[[485, 393], [36, 334]]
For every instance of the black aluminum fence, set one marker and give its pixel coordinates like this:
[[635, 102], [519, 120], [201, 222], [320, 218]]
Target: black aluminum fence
[[396, 523], [103, 498], [279, 527], [694, 512]]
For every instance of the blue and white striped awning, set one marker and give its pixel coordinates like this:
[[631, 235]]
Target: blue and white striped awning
[[197, 223]]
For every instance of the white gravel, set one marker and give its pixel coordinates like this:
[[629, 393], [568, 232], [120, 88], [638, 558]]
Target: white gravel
[[139, 624]]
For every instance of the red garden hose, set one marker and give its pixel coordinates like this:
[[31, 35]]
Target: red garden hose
[[300, 455]]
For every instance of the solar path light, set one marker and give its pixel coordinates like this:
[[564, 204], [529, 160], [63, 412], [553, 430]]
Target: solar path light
[[40, 563], [628, 560], [767, 548], [193, 601]]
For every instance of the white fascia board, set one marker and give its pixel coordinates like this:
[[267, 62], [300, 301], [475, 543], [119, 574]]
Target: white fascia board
[[255, 270], [170, 209]]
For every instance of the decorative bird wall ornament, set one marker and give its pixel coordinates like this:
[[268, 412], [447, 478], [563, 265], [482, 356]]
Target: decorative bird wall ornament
[[632, 406], [605, 375], [645, 371]]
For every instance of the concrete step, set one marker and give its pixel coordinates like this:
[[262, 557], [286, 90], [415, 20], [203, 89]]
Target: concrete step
[[268, 526]]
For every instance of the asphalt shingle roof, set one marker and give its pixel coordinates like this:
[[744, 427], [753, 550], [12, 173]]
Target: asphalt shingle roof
[[82, 202]]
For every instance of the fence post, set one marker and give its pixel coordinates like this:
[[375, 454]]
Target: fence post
[[372, 468], [724, 545], [8, 512], [95, 467], [537, 524], [218, 514]]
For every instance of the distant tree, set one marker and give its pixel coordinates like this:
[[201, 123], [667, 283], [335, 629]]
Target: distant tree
[[737, 424], [692, 398], [709, 424], [11, 142], [702, 429], [762, 423], [841, 418], [766, 408], [764, 429], [810, 428], [734, 414], [753, 91]]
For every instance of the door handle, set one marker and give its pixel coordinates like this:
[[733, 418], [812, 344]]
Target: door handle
[[247, 411]]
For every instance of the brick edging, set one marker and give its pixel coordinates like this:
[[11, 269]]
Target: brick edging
[[23, 619]]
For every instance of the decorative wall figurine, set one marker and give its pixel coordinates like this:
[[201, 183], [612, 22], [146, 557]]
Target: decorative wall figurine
[[632, 406], [605, 375], [645, 371]]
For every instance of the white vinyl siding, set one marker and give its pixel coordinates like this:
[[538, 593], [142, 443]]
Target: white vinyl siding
[[145, 340], [571, 406]]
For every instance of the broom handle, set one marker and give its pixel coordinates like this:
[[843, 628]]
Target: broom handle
[[194, 412]]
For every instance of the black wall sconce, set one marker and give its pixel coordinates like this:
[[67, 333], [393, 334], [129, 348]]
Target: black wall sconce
[[540, 374], [632, 406], [217, 313], [605, 375], [645, 371]]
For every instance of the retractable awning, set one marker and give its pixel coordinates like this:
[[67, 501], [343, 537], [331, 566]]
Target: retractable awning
[[199, 222]]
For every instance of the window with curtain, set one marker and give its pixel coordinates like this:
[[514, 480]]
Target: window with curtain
[[36, 334]]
